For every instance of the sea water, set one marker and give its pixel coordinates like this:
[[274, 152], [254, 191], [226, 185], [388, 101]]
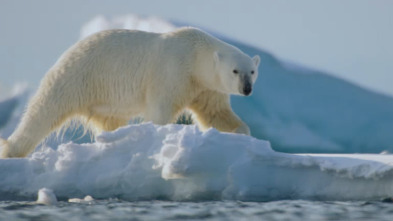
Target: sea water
[[114, 209]]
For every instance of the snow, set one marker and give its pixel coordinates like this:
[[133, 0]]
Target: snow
[[46, 197], [179, 162], [293, 109], [88, 199]]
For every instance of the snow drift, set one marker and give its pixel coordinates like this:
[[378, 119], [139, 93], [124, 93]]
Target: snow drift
[[179, 162]]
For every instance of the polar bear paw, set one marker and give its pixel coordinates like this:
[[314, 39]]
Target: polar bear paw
[[243, 129]]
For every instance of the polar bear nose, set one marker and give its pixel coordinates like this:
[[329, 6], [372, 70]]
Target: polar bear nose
[[247, 89]]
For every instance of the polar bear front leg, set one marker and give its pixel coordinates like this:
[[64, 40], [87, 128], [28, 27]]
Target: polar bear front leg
[[213, 109]]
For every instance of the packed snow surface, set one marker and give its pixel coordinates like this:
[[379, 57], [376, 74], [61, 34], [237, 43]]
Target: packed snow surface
[[179, 162], [292, 109]]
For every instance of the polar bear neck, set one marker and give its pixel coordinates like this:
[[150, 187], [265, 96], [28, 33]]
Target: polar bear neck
[[204, 71]]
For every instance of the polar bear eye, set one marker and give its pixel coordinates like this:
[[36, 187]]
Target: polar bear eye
[[235, 71], [252, 72]]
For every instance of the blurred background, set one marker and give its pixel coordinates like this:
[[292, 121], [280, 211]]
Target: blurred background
[[350, 39]]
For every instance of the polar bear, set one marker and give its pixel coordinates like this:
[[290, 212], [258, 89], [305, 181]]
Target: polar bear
[[114, 75]]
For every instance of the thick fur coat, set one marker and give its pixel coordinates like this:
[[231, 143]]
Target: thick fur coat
[[113, 76]]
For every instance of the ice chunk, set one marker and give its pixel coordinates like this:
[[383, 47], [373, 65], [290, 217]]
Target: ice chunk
[[87, 199], [46, 196]]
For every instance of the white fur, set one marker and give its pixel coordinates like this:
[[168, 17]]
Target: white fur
[[115, 75]]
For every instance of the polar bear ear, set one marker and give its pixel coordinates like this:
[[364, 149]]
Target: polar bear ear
[[256, 59]]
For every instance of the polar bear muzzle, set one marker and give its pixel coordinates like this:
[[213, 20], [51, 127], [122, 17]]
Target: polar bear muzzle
[[245, 85], [247, 88]]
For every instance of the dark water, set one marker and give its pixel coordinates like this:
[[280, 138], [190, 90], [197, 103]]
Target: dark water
[[214, 210]]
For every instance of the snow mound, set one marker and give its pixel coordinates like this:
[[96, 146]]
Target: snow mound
[[46, 197], [179, 162]]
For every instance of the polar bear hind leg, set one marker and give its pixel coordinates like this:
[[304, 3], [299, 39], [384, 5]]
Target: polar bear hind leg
[[34, 127], [45, 113]]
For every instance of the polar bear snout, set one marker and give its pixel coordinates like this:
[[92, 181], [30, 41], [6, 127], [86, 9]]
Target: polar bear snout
[[247, 89], [245, 85]]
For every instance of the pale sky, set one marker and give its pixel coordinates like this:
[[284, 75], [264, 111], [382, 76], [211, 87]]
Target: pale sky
[[351, 39]]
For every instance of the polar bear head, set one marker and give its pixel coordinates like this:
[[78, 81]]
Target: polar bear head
[[237, 71]]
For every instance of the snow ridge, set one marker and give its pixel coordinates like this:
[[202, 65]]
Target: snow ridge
[[179, 162]]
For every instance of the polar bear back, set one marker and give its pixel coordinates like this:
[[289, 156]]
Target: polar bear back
[[142, 59]]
